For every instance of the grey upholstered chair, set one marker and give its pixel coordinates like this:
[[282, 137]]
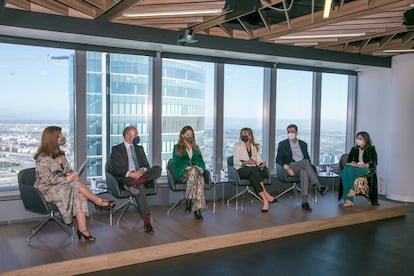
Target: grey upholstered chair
[[371, 178], [292, 180], [181, 187], [115, 191], [33, 201], [234, 178]]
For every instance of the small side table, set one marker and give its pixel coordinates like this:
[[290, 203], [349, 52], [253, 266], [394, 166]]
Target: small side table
[[97, 190], [218, 180], [331, 175]]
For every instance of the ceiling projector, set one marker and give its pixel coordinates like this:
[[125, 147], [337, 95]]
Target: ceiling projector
[[187, 38]]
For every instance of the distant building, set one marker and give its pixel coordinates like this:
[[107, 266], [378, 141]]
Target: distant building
[[129, 78]]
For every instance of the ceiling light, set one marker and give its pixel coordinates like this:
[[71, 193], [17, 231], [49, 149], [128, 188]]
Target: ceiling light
[[327, 8], [400, 51], [320, 36], [172, 13]]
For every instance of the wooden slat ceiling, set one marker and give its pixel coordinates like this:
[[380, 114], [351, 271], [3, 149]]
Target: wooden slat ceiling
[[377, 25]]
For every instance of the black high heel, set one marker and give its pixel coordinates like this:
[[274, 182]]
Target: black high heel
[[197, 215], [188, 206], [110, 204], [87, 238]]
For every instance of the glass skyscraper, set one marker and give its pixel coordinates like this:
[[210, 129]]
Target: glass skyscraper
[[119, 86]]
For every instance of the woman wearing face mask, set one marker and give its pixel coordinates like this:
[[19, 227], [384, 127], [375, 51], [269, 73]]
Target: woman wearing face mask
[[189, 167], [249, 164], [361, 160], [59, 184]]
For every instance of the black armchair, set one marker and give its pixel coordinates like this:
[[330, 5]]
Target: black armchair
[[234, 178], [115, 191], [292, 180], [181, 187], [371, 178], [34, 201]]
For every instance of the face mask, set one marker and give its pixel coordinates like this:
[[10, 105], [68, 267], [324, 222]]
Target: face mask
[[244, 138], [136, 140], [292, 136], [188, 139], [62, 141], [359, 142]]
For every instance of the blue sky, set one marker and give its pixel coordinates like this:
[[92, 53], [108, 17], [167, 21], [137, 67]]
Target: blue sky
[[32, 83]]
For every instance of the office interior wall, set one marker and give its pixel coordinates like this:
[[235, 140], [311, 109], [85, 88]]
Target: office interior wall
[[385, 109]]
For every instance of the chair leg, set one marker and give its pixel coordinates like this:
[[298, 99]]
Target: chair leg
[[295, 188], [42, 224], [236, 196], [124, 207], [175, 205], [244, 193], [37, 229], [63, 226]]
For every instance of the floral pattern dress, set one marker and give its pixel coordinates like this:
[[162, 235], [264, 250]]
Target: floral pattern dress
[[52, 184]]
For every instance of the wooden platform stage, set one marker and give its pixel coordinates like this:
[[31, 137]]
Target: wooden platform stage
[[52, 252]]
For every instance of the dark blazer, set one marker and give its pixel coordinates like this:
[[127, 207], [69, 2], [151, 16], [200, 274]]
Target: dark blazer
[[119, 162], [370, 157], [284, 152]]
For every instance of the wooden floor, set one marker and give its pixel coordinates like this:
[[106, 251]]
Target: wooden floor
[[52, 252]]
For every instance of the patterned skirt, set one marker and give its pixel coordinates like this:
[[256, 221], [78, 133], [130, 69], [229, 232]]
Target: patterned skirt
[[195, 189]]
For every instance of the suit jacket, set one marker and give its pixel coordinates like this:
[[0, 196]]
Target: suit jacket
[[240, 153], [119, 161], [370, 157], [181, 162], [284, 152]]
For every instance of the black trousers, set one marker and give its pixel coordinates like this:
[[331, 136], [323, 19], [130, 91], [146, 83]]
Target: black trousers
[[255, 176]]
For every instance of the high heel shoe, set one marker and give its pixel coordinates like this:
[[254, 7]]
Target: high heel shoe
[[81, 234], [197, 215], [188, 206], [105, 205]]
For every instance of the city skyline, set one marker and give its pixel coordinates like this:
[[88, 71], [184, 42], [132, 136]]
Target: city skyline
[[43, 91]]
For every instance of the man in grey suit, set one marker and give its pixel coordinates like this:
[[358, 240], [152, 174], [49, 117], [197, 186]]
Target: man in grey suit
[[293, 156], [130, 167]]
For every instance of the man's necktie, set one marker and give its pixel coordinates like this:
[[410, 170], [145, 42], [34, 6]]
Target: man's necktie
[[134, 157]]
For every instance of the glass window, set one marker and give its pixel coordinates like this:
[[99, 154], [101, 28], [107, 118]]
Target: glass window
[[243, 105], [36, 93], [187, 99], [294, 104], [128, 88], [333, 117]]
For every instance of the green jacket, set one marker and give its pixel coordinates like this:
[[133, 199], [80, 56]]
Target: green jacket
[[182, 162]]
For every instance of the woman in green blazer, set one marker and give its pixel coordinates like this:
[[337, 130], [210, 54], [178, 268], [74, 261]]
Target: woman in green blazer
[[189, 167]]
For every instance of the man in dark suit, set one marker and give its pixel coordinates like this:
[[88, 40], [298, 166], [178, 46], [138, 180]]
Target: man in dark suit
[[130, 167], [293, 156]]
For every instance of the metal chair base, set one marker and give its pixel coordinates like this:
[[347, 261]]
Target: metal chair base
[[124, 208], [42, 224], [244, 193], [176, 204], [294, 187]]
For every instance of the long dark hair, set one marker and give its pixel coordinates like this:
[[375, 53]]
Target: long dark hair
[[181, 145], [367, 138], [49, 145], [249, 130]]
